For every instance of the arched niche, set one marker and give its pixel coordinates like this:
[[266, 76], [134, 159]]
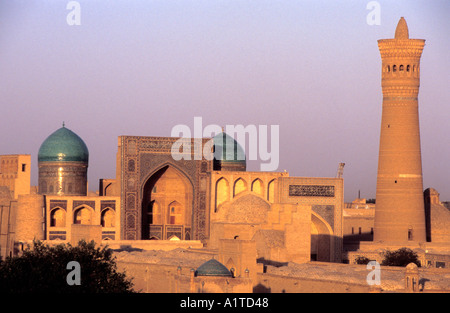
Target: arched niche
[[258, 187], [321, 239], [271, 191], [83, 216], [240, 185], [58, 217], [167, 199], [222, 192], [108, 218]]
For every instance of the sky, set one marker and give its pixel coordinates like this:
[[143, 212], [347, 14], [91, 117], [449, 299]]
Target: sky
[[141, 68]]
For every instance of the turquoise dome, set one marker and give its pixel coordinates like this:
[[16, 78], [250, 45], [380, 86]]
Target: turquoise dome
[[63, 146], [228, 151], [213, 268]]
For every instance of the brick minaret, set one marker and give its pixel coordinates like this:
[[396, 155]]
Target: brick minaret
[[399, 213]]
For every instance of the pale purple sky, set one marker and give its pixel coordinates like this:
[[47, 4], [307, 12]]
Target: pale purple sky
[[143, 67]]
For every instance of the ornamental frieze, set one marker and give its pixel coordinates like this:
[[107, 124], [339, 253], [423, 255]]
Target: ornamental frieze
[[311, 191], [58, 203], [77, 203]]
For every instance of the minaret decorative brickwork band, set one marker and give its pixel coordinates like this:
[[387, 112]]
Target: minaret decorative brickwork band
[[399, 213]]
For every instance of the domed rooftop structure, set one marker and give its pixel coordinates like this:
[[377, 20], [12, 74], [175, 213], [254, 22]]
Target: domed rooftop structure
[[63, 161], [63, 146], [412, 267], [213, 268], [228, 154]]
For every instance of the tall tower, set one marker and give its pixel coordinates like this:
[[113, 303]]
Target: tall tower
[[399, 213]]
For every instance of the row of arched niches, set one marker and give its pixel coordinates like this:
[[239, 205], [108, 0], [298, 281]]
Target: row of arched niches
[[226, 190], [402, 69]]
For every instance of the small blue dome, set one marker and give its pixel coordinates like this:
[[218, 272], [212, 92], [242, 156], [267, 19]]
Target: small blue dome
[[63, 146], [213, 268]]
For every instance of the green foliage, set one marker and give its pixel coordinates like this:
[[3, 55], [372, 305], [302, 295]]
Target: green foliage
[[43, 269], [400, 257], [362, 260]]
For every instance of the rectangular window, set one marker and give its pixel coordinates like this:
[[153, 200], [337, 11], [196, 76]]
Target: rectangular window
[[24, 167], [440, 264], [353, 231], [359, 230], [410, 234]]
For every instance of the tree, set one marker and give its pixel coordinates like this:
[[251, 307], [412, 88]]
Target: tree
[[400, 257], [45, 269]]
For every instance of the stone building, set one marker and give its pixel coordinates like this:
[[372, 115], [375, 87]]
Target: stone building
[[61, 209], [212, 277], [157, 195], [358, 219], [198, 199], [15, 173]]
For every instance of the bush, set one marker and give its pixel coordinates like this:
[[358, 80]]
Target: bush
[[400, 257], [43, 269], [362, 260]]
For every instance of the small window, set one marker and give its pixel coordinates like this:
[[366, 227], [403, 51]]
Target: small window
[[24, 167], [359, 231], [410, 234], [408, 68], [401, 68], [394, 68], [440, 264]]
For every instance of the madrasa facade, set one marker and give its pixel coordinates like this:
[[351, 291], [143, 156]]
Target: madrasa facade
[[156, 199]]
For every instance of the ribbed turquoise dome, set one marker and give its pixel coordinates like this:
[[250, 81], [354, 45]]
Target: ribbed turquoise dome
[[228, 154], [213, 268], [63, 146], [227, 149]]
